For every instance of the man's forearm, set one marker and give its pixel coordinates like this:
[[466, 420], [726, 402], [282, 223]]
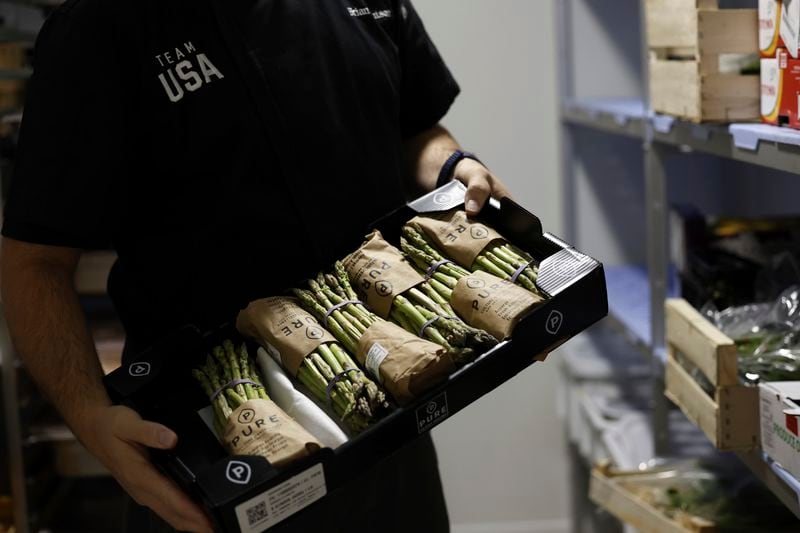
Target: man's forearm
[[49, 331], [425, 155]]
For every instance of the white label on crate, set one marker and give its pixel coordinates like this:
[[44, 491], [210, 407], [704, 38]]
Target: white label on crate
[[281, 501], [375, 356], [768, 11], [790, 25], [770, 87]]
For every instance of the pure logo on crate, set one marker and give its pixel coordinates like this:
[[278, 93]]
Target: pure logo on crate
[[442, 198], [238, 472], [432, 413], [139, 370], [554, 322]]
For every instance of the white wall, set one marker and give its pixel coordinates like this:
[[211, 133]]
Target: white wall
[[502, 459], [502, 53]]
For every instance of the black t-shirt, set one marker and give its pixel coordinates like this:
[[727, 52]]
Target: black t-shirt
[[224, 150]]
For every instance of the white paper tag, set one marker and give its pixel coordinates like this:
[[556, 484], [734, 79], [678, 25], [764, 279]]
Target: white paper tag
[[282, 500], [374, 358]]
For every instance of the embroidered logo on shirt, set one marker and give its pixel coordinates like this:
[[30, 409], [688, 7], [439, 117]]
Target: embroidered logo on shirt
[[185, 70], [365, 11]]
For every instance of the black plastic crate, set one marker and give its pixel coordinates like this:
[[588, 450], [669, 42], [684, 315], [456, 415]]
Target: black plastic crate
[[159, 386]]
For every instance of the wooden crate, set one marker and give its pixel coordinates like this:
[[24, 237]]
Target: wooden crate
[[686, 39], [730, 417], [606, 491]]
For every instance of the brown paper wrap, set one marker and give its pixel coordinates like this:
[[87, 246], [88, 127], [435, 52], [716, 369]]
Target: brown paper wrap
[[259, 427], [492, 304], [405, 364], [459, 237], [379, 272], [286, 330]]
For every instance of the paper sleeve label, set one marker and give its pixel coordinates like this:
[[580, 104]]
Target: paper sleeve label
[[458, 236], [492, 304], [282, 500], [407, 365], [379, 272], [284, 328], [260, 427]]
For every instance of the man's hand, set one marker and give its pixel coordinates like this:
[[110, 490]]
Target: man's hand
[[118, 437], [427, 152], [481, 185], [50, 334]]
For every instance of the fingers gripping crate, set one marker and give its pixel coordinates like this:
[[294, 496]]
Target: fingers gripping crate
[[730, 417], [686, 39]]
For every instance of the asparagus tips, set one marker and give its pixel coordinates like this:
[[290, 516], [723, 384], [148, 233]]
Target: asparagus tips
[[354, 397], [499, 258], [215, 377]]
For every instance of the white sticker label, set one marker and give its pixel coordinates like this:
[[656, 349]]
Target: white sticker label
[[374, 358], [281, 501]]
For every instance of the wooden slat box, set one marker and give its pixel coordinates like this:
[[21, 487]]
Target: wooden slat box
[[730, 417], [686, 39], [607, 489]]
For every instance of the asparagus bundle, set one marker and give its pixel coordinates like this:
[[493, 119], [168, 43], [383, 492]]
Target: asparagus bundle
[[485, 300], [355, 398], [478, 247], [295, 339], [247, 421], [348, 321], [396, 291], [413, 364], [224, 368], [443, 274]]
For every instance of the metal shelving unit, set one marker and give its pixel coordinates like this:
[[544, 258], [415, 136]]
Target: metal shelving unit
[[617, 115]]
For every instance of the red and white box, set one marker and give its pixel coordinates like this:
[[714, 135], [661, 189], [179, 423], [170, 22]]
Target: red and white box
[[780, 414], [780, 89]]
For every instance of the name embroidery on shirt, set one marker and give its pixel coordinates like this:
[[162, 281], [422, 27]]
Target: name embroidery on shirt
[[364, 11], [185, 70]]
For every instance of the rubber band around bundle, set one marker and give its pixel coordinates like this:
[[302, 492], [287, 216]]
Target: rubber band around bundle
[[425, 326], [434, 267], [517, 273], [336, 379], [336, 307], [232, 384]]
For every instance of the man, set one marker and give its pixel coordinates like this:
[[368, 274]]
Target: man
[[225, 149]]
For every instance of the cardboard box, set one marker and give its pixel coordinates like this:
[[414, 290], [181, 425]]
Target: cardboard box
[[246, 494], [780, 414], [688, 41], [779, 27], [780, 90], [769, 27]]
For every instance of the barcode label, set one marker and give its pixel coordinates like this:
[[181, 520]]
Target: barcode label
[[281, 501], [257, 514]]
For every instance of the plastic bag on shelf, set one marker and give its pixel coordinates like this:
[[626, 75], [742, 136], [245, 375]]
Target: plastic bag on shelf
[[767, 336]]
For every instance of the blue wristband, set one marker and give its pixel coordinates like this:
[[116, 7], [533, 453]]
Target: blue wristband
[[446, 173]]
